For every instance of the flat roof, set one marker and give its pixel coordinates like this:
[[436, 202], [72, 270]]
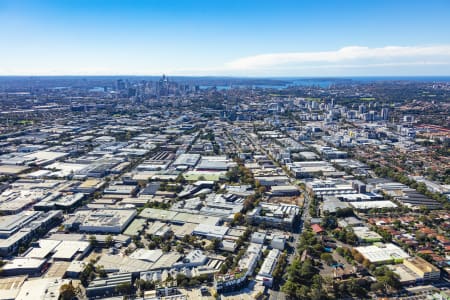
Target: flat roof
[[211, 230], [207, 175], [44, 248], [382, 252], [422, 264], [373, 204], [23, 263], [147, 255], [166, 261], [135, 227], [364, 233], [187, 159], [42, 288], [116, 263], [177, 217], [158, 214], [12, 169], [405, 274], [10, 286]]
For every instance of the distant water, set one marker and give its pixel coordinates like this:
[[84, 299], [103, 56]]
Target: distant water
[[402, 78], [327, 82]]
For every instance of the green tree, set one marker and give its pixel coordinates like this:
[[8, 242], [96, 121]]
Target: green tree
[[124, 288], [327, 258], [93, 241], [214, 245], [180, 248], [67, 291], [109, 240]]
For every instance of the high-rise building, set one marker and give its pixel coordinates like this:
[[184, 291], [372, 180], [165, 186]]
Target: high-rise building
[[385, 113], [362, 109]]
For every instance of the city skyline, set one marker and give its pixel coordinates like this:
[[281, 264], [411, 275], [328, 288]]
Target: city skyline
[[225, 38]]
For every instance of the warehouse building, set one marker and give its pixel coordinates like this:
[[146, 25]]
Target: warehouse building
[[23, 266], [107, 286], [382, 253], [210, 231], [22, 227], [101, 220], [186, 160]]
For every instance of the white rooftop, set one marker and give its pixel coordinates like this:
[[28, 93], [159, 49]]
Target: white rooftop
[[379, 253]]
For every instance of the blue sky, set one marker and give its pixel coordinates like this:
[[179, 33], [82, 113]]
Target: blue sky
[[239, 38]]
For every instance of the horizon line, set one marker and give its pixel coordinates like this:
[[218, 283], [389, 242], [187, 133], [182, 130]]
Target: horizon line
[[214, 76]]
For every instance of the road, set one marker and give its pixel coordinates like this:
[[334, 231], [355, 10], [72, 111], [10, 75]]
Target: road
[[305, 215]]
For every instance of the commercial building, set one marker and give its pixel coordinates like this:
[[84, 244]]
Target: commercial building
[[306, 169], [269, 264], [213, 163], [10, 286], [272, 180], [258, 237], [284, 190], [147, 255], [178, 218], [107, 286], [278, 242], [188, 160], [366, 205], [23, 266], [58, 250], [194, 258], [123, 264], [59, 201], [382, 253], [89, 186], [365, 235], [329, 187], [101, 220], [274, 215], [210, 231], [22, 227], [42, 288], [426, 271], [40, 158], [331, 204]]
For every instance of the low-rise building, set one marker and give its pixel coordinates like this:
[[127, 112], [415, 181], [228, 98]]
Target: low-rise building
[[274, 215], [425, 270], [210, 231], [365, 235], [23, 266], [101, 220], [382, 253], [258, 237], [107, 286], [269, 264]]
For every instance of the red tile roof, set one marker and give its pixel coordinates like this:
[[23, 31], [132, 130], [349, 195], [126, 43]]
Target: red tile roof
[[317, 228]]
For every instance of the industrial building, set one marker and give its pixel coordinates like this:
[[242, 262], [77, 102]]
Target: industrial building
[[107, 286], [22, 227], [101, 220], [210, 231], [382, 253]]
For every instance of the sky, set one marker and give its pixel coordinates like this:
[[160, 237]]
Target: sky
[[254, 38]]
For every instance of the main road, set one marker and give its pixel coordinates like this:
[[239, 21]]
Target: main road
[[305, 215]]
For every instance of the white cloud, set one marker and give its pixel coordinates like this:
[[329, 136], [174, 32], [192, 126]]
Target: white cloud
[[354, 56], [347, 61]]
